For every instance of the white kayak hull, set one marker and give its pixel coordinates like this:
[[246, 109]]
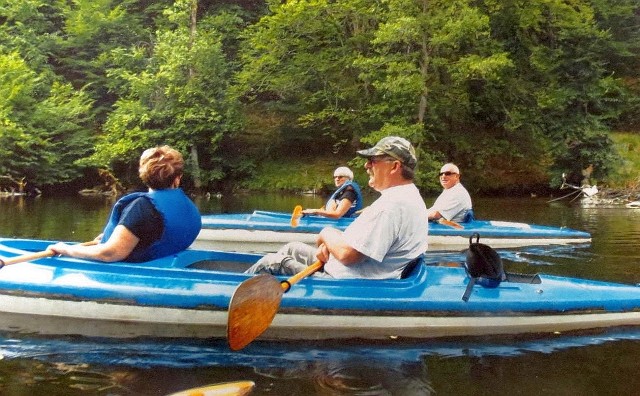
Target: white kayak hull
[[48, 316], [261, 241]]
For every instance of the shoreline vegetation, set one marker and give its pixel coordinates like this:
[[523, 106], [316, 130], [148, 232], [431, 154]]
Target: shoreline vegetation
[[624, 183], [313, 177]]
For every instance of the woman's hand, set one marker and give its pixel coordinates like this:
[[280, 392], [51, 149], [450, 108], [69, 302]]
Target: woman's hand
[[60, 248]]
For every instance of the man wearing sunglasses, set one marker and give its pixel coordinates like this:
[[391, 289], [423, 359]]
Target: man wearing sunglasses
[[454, 203], [383, 240]]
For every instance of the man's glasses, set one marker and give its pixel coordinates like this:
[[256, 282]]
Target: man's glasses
[[447, 173], [380, 158]]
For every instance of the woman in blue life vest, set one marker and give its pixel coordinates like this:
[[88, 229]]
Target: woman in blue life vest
[[146, 225], [345, 201]]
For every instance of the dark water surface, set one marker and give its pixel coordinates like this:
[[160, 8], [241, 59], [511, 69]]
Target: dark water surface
[[589, 363]]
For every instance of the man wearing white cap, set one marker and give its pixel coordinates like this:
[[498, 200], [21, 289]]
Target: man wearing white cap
[[454, 203], [383, 240], [346, 201]]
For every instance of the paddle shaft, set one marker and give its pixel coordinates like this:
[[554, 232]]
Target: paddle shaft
[[286, 285], [37, 255]]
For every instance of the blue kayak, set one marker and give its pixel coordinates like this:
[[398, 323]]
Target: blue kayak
[[263, 231], [188, 295]]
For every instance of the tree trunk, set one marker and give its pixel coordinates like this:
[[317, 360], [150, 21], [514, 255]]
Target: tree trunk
[[195, 169], [195, 163]]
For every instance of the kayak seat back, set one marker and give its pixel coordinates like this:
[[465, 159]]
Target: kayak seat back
[[411, 267]]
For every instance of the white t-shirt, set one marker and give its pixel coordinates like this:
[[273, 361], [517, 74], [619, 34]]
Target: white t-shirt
[[390, 232], [453, 203]]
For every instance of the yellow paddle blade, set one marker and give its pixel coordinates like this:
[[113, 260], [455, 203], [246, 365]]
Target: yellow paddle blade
[[252, 308], [237, 388], [296, 215], [450, 223]]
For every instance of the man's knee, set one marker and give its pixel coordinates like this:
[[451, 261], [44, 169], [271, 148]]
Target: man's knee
[[293, 248], [266, 264]]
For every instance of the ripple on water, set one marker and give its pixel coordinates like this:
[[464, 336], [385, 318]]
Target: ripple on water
[[363, 379]]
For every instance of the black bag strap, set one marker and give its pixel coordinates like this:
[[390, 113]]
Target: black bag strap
[[467, 291]]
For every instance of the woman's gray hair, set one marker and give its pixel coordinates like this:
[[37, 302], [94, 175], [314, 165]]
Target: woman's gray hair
[[343, 171]]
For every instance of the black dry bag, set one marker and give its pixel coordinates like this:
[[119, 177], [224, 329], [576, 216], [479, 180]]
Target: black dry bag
[[483, 265]]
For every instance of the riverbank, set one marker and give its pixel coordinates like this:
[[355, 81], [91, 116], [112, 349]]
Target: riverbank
[[313, 176], [623, 185]]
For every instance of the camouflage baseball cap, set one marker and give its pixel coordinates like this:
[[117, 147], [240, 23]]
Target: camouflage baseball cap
[[393, 146]]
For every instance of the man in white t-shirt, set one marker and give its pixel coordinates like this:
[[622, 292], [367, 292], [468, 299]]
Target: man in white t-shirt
[[454, 202], [379, 243]]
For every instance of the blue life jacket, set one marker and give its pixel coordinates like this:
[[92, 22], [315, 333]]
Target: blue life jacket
[[356, 205], [469, 216], [181, 218]]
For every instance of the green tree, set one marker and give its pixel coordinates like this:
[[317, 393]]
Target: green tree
[[299, 81], [30, 28], [43, 126], [507, 89], [621, 19], [90, 29], [173, 92], [431, 61], [563, 95]]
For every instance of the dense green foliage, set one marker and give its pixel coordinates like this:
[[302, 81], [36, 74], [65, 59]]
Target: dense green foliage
[[626, 176], [516, 92]]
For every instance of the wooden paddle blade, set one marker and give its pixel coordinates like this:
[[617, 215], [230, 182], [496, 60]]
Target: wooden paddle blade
[[296, 215], [252, 308], [237, 388]]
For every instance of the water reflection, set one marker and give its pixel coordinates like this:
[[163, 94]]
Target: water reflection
[[547, 255], [400, 367], [267, 357], [56, 218], [364, 378]]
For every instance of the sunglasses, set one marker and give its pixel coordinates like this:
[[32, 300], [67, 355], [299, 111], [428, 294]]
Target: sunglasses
[[447, 173], [380, 158]]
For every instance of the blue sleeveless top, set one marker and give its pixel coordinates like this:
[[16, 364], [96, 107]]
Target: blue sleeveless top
[[181, 219], [355, 205]]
